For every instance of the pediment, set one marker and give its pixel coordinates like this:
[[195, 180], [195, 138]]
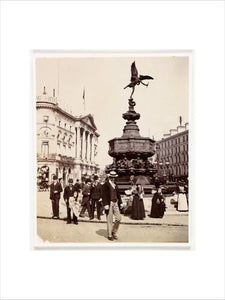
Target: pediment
[[89, 120]]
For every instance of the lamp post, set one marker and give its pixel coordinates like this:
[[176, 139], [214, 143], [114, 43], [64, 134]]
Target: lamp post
[[165, 167]]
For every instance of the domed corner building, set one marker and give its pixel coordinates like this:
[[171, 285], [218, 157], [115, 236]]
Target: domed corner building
[[66, 144]]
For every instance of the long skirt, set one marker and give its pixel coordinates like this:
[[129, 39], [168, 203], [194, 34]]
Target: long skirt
[[182, 202], [157, 210], [138, 210]]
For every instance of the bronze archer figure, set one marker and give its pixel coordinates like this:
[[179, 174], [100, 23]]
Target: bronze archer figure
[[135, 79]]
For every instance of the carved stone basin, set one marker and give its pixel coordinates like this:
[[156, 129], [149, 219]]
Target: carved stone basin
[[131, 147]]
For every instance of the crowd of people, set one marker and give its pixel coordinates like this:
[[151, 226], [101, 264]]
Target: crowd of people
[[105, 198]]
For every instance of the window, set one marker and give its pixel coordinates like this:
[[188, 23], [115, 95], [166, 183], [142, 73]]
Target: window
[[59, 123], [44, 149]]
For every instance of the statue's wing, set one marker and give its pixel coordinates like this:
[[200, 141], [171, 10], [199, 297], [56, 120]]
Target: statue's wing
[[143, 77], [134, 71]]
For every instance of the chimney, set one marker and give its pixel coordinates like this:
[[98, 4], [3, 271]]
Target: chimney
[[53, 92], [180, 120], [44, 93]]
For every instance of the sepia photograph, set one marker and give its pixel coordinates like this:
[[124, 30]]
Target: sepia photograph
[[109, 113], [112, 149]]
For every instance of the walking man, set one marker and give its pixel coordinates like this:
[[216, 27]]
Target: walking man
[[70, 191], [86, 199], [55, 190], [112, 201], [96, 197]]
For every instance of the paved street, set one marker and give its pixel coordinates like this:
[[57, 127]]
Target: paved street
[[173, 227], [58, 231]]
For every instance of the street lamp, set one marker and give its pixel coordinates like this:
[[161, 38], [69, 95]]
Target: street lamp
[[165, 167]]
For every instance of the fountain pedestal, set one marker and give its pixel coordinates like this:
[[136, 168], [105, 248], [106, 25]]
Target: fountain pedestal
[[131, 151]]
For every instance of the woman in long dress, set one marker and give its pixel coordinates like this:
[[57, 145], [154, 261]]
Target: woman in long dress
[[138, 210], [182, 204], [158, 205]]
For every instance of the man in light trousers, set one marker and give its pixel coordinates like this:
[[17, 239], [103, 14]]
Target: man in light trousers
[[112, 201]]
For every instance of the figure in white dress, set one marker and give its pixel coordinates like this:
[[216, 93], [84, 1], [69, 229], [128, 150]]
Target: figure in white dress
[[182, 200]]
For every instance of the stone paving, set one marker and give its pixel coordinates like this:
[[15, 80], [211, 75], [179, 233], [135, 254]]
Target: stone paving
[[171, 217]]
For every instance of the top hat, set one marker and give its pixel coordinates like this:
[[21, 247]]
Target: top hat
[[70, 180], [95, 177], [55, 177], [112, 174]]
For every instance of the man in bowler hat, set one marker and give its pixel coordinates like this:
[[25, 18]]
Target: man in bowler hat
[[112, 201], [55, 190], [70, 191]]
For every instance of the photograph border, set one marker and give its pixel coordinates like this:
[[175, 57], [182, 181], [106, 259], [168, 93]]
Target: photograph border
[[35, 244]]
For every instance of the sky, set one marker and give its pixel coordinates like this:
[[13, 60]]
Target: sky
[[104, 78]]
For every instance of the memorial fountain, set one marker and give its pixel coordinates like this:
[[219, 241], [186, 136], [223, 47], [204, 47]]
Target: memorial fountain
[[131, 152]]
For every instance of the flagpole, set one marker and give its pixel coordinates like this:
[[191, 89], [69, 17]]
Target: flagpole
[[58, 101], [84, 99]]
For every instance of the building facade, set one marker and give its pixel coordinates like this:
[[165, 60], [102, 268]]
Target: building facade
[[66, 145], [172, 154]]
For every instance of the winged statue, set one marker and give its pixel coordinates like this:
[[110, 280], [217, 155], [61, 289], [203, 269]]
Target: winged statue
[[136, 80]]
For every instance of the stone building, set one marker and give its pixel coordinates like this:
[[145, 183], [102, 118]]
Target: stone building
[[66, 144], [172, 154]]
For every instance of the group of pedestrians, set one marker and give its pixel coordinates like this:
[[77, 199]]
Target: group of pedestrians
[[70, 195], [102, 197], [92, 197], [158, 206], [106, 198]]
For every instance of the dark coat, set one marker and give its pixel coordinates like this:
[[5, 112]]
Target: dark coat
[[77, 187], [96, 191], [68, 192], [53, 188], [106, 194], [86, 194], [158, 206]]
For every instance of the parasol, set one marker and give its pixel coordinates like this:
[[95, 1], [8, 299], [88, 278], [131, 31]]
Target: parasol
[[142, 180]]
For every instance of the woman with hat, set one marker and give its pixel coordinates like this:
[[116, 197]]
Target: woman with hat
[[158, 204], [182, 204]]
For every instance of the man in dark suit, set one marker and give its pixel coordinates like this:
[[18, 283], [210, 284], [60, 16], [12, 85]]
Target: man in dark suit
[[96, 197], [77, 186], [86, 199], [55, 190], [112, 201], [70, 191]]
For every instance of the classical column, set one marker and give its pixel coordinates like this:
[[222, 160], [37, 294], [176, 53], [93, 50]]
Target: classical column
[[87, 148], [91, 147], [83, 145], [78, 142]]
